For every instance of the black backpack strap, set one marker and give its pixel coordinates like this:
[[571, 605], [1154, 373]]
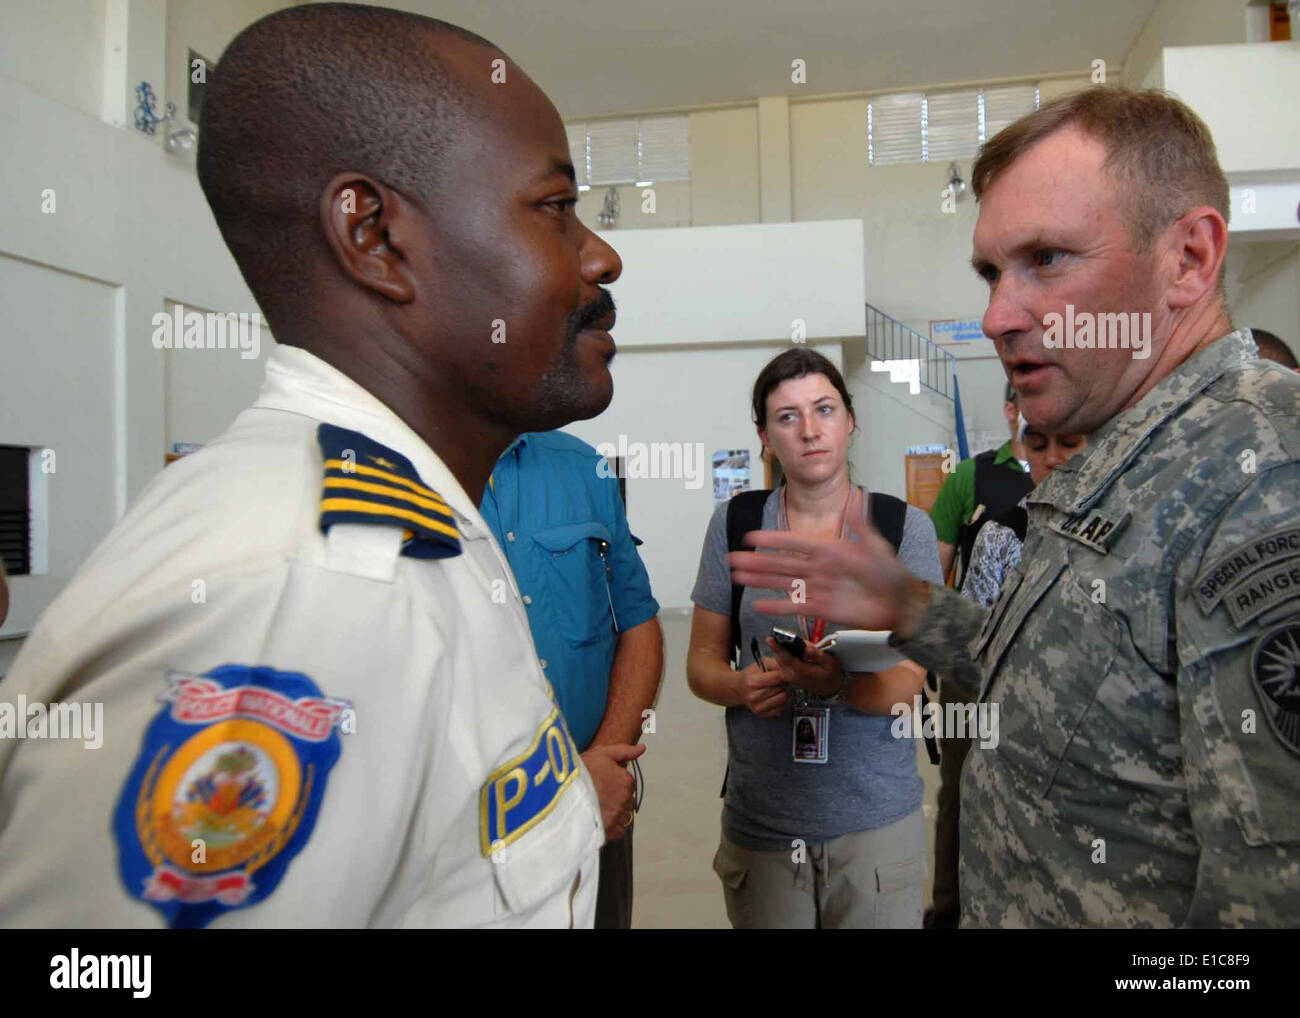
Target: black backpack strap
[[1016, 519], [966, 533], [889, 516], [984, 478], [744, 513]]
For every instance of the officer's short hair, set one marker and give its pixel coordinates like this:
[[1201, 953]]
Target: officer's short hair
[[1156, 147], [1271, 348], [305, 93]]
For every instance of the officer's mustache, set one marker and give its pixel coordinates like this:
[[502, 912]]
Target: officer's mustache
[[588, 315]]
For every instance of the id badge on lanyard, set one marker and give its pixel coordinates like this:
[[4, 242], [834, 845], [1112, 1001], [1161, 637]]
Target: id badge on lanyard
[[811, 737], [812, 725]]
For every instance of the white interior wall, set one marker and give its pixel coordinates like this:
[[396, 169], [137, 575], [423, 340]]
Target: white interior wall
[[60, 364], [1183, 23], [57, 47], [724, 166], [1264, 289], [129, 231], [1246, 94]]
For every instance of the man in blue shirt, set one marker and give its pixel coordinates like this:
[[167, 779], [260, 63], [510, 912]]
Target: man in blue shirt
[[556, 511]]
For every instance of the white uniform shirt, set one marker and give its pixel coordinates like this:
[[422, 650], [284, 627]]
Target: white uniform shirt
[[457, 797]]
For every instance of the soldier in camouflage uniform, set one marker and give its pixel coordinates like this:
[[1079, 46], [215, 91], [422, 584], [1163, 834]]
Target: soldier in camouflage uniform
[[1145, 654]]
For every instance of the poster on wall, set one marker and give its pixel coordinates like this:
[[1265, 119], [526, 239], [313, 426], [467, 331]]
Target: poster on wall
[[730, 473], [180, 449]]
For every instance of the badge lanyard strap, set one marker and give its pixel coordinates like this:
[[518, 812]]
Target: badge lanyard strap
[[818, 624]]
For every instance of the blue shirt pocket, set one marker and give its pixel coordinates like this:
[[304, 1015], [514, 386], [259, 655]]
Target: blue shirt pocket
[[577, 577]]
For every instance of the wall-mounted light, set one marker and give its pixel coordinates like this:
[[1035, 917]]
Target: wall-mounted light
[[608, 215], [181, 140], [955, 182]]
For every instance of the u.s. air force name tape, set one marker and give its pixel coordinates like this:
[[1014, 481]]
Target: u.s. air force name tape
[[1096, 529], [1226, 572]]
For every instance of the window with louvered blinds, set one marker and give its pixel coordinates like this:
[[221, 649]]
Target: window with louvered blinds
[[630, 150], [895, 129], [932, 127], [1006, 104], [952, 126], [578, 151]]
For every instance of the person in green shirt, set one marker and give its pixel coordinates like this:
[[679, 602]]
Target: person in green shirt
[[980, 486]]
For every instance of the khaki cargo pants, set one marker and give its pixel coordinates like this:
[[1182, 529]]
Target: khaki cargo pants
[[866, 880]]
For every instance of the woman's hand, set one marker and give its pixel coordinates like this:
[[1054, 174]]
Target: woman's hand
[[818, 672], [763, 692]]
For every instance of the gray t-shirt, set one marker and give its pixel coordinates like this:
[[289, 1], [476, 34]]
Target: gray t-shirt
[[870, 780]]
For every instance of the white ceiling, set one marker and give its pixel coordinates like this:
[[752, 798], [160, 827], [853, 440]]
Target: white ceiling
[[611, 56]]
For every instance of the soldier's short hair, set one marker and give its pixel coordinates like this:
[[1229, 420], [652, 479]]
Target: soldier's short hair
[[1157, 148]]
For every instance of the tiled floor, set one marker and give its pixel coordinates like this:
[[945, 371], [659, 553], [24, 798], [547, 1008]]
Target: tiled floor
[[677, 829]]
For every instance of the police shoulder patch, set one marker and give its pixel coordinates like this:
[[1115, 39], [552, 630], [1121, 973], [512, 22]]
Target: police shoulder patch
[[225, 791], [366, 482], [1275, 669]]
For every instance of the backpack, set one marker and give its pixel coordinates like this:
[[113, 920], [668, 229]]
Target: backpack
[[745, 513], [997, 489]]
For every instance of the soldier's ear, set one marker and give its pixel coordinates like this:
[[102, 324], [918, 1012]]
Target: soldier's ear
[[1198, 243]]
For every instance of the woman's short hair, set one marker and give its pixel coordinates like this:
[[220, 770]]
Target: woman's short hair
[[796, 362]]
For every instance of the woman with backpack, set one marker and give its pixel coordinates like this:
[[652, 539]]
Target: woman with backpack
[[821, 822]]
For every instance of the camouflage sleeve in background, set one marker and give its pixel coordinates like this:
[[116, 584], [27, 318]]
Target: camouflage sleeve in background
[[941, 642], [1238, 642]]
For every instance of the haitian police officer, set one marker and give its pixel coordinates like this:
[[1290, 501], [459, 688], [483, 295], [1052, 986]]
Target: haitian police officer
[[321, 701], [1144, 653]]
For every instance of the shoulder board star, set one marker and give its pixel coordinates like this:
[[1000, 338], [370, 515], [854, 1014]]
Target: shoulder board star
[[390, 493]]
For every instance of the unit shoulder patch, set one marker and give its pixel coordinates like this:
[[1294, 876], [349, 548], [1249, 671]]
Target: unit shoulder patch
[[225, 790], [1275, 669], [366, 482], [1228, 571]]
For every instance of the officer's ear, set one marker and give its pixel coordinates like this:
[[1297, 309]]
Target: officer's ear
[[1198, 243], [366, 225]]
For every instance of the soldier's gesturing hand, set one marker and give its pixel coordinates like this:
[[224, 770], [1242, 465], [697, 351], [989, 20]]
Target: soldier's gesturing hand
[[860, 583]]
